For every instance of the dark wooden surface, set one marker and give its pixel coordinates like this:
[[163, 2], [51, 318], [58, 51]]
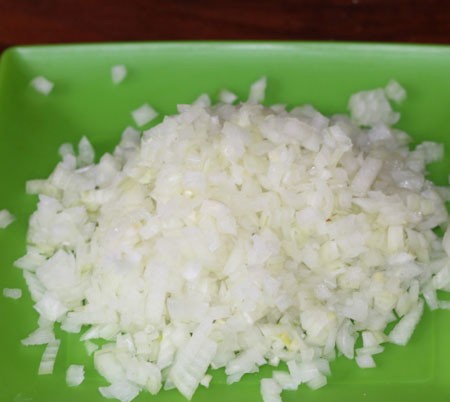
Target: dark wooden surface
[[46, 21]]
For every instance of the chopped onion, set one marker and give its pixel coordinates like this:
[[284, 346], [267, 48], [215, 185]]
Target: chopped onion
[[257, 91], [144, 114], [395, 91], [12, 293], [49, 357], [226, 96], [6, 218], [285, 380], [192, 362], [318, 381], [270, 390], [206, 380], [124, 391], [118, 73], [91, 347], [203, 101], [86, 153], [402, 332], [42, 336], [74, 375], [42, 85], [369, 108], [365, 361], [234, 236]]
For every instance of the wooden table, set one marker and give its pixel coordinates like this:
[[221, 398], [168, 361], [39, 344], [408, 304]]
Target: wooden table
[[46, 21]]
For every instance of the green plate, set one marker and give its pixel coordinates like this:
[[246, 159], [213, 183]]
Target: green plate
[[84, 102]]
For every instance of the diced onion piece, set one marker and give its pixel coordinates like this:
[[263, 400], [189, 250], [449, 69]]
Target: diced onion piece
[[74, 375], [402, 332], [41, 336], [285, 380], [66, 149], [395, 91], [86, 153], [192, 362], [12, 293], [41, 187], [345, 339], [369, 108], [6, 218], [234, 236], [206, 380], [226, 96], [124, 391], [365, 361], [203, 100], [91, 347], [49, 357], [50, 307], [42, 85], [444, 304], [144, 114], [318, 381], [270, 390], [257, 91], [366, 175], [118, 73]]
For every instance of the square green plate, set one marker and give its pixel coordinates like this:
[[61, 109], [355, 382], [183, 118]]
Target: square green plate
[[85, 102]]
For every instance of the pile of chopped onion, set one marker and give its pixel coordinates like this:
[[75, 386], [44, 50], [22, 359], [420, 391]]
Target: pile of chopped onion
[[234, 236]]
